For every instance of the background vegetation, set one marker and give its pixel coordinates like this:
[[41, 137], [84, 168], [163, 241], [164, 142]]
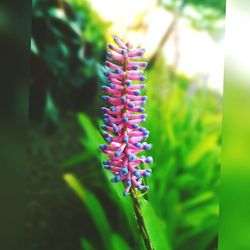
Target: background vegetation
[[71, 203]]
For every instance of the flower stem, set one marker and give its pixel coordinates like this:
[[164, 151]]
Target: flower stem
[[140, 220]]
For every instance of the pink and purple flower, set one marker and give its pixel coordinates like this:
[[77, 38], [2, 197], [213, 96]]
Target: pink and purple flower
[[123, 115]]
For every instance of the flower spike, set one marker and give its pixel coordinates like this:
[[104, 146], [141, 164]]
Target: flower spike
[[123, 116]]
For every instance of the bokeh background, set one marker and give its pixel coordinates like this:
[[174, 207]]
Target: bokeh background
[[71, 203]]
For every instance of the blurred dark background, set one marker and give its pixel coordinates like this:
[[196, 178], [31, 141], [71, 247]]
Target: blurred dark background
[[14, 72]]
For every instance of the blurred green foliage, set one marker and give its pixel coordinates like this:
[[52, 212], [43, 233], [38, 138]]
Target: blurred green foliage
[[203, 15], [185, 125], [68, 40], [215, 5], [181, 208]]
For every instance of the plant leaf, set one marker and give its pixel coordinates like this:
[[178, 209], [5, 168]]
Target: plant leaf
[[155, 227], [94, 207]]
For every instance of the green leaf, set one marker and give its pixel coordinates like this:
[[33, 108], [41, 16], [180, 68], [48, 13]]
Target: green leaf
[[197, 215], [198, 237], [92, 135], [201, 149], [86, 245], [119, 243], [34, 2], [100, 70], [186, 181], [155, 226], [76, 159], [51, 111], [94, 207], [57, 13], [124, 204], [197, 200], [34, 48]]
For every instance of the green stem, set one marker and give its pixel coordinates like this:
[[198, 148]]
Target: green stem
[[137, 209], [140, 220]]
